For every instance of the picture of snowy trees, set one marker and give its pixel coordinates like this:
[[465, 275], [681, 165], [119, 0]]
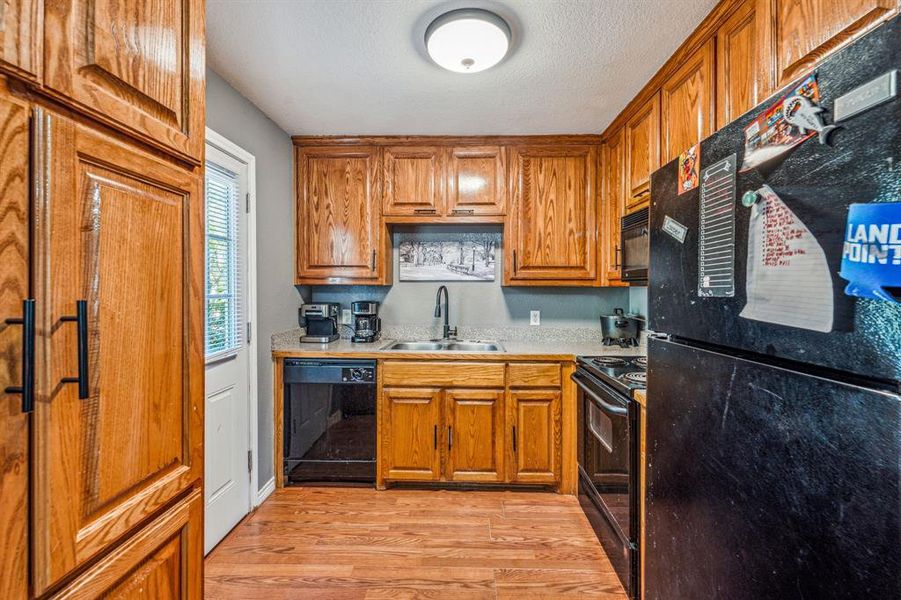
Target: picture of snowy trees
[[461, 257]]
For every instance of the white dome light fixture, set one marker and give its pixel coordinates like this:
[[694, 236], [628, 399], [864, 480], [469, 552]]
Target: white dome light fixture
[[467, 40]]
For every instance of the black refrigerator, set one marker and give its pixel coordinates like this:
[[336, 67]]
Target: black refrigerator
[[773, 429]]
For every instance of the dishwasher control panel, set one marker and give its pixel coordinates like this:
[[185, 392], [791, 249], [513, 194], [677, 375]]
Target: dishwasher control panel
[[358, 374]]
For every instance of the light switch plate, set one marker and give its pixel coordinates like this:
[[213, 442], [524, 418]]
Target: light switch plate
[[345, 316], [535, 317]]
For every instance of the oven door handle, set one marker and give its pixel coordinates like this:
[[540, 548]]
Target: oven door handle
[[605, 406]]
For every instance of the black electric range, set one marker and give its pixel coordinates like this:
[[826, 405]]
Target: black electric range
[[609, 436]]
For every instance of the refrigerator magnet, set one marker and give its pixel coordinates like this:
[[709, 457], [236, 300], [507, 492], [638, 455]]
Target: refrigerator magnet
[[675, 229], [871, 255], [688, 169]]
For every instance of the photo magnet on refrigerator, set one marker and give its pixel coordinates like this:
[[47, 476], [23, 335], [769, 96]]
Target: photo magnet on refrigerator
[[871, 255]]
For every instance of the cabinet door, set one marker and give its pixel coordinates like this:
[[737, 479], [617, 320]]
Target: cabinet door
[[164, 561], [613, 205], [743, 73], [135, 64], [411, 434], [414, 181], [476, 181], [803, 32], [475, 435], [338, 225], [122, 231], [535, 426], [686, 103], [642, 152], [552, 225], [21, 37], [14, 289]]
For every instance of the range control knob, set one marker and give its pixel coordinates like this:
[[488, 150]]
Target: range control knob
[[356, 374]]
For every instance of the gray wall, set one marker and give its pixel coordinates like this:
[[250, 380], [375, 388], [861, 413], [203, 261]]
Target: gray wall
[[233, 116], [638, 301], [478, 303]]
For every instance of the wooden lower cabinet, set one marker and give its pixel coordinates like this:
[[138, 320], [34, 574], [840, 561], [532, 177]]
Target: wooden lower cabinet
[[410, 424], [163, 561], [475, 435], [535, 423]]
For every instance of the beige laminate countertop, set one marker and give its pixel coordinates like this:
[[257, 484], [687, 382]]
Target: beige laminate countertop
[[513, 350]]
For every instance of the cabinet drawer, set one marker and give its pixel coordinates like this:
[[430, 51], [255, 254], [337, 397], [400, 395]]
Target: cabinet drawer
[[443, 374], [533, 375], [162, 561]]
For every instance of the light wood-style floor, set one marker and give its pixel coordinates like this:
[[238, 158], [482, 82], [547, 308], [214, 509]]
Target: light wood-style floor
[[343, 543]]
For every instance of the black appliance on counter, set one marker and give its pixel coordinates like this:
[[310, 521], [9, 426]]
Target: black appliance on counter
[[634, 249], [321, 322], [620, 329], [367, 325], [608, 446], [773, 448], [329, 426]]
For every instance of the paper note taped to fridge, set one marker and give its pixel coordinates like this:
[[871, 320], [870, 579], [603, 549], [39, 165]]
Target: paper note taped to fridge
[[788, 280]]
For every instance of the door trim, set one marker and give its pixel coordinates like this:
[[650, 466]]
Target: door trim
[[225, 145]]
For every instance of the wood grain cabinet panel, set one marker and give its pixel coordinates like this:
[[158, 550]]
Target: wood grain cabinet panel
[[642, 133], [612, 206], [743, 65], [14, 289], [687, 103], [414, 181], [534, 420], [21, 38], [411, 434], [134, 64], [475, 435], [803, 32], [164, 561], [551, 229], [122, 231], [476, 181], [339, 230]]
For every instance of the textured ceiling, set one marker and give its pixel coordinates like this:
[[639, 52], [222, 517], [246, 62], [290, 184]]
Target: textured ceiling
[[359, 66]]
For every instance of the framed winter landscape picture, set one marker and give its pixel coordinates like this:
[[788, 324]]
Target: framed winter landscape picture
[[453, 257]]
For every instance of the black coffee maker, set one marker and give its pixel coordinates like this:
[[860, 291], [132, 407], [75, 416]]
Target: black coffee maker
[[367, 324]]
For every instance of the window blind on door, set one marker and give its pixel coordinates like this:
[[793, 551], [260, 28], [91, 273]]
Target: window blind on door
[[224, 268]]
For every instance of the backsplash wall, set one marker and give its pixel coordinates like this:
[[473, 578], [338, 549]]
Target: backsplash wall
[[477, 303]]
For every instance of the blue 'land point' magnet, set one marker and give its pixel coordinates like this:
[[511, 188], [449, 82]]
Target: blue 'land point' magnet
[[871, 256]]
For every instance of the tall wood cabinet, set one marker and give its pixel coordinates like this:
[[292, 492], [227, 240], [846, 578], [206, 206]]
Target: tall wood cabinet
[[642, 132], [686, 104], [612, 205], [101, 241], [743, 77]]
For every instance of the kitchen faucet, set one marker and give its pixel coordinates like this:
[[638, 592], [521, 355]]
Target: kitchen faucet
[[448, 331]]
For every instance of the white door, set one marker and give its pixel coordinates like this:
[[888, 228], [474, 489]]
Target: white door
[[227, 442]]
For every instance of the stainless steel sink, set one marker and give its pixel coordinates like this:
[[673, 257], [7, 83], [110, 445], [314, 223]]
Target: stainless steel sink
[[446, 346]]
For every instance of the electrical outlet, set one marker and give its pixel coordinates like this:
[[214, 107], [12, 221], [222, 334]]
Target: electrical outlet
[[345, 316], [535, 317]]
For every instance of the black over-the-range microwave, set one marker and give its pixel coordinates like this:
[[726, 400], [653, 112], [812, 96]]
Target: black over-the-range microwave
[[634, 239]]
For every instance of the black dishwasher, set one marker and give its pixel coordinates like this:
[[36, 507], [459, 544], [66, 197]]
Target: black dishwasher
[[329, 427]]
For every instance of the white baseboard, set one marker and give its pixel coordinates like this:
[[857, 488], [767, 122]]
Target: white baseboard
[[265, 491]]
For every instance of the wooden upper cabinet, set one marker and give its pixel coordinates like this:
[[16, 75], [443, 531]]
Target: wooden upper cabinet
[[475, 435], [803, 32], [21, 38], [551, 227], [339, 231], [414, 181], [743, 74], [411, 434], [122, 231], [134, 64], [534, 419], [613, 205], [642, 136], [476, 181], [687, 103]]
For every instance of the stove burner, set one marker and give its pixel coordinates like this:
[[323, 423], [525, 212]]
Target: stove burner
[[608, 361], [641, 361], [636, 377], [621, 342]]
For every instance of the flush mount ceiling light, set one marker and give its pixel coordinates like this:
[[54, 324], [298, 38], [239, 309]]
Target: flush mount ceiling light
[[467, 40]]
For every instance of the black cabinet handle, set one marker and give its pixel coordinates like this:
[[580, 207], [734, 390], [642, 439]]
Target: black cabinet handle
[[27, 387], [514, 438], [464, 211], [450, 437], [372, 262], [435, 436], [514, 262], [81, 321], [425, 211], [616, 252]]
